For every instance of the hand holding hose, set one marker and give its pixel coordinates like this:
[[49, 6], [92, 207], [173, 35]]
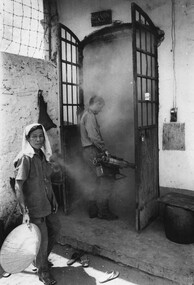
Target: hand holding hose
[[107, 153]]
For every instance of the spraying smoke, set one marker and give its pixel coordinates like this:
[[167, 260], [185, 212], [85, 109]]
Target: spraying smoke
[[108, 72], [74, 171]]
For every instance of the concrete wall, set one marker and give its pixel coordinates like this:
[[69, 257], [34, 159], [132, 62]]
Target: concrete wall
[[176, 69], [22, 77]]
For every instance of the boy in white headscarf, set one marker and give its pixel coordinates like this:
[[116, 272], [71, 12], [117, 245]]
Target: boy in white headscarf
[[35, 194]]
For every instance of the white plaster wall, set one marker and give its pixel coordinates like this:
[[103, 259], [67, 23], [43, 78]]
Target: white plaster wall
[[21, 79], [176, 168]]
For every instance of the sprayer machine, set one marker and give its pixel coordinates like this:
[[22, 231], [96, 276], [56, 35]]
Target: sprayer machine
[[111, 165]]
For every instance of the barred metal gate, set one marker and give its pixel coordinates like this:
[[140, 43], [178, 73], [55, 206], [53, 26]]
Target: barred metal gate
[[145, 77], [69, 76], [70, 98]]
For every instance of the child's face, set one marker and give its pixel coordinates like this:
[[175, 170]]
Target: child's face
[[36, 139]]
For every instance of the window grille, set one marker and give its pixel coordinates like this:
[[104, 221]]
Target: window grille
[[146, 72], [69, 77], [23, 29]]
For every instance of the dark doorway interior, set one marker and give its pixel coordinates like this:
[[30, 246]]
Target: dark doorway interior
[[108, 72], [119, 63]]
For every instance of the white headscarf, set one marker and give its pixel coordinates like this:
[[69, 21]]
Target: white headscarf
[[28, 150]]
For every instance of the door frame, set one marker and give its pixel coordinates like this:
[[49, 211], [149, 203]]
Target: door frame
[[142, 22], [134, 8], [69, 90]]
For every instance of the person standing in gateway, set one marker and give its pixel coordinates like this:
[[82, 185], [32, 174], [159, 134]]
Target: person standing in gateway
[[100, 187]]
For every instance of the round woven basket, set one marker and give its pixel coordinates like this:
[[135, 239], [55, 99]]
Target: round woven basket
[[20, 248]]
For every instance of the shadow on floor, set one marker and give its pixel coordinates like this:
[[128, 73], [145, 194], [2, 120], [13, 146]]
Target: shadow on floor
[[72, 276]]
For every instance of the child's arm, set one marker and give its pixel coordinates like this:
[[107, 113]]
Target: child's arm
[[20, 198]]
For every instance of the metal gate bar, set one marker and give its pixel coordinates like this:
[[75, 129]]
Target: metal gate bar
[[70, 100]]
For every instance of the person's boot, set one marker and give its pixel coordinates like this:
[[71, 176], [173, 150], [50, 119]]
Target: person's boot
[[105, 213], [92, 209]]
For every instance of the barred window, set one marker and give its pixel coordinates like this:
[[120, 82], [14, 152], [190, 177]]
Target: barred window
[[23, 30]]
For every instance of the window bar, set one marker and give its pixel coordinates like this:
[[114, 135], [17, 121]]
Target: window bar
[[141, 80], [151, 81], [66, 79], [72, 82], [151, 74], [147, 114], [152, 100], [140, 44], [147, 102], [156, 81], [77, 83]]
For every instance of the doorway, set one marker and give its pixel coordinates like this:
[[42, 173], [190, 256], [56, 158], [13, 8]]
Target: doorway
[[108, 72], [119, 63]]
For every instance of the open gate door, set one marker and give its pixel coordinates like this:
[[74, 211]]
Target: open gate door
[[70, 102], [145, 80]]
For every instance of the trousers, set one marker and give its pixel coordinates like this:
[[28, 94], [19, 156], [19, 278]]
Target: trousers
[[99, 188], [49, 227]]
